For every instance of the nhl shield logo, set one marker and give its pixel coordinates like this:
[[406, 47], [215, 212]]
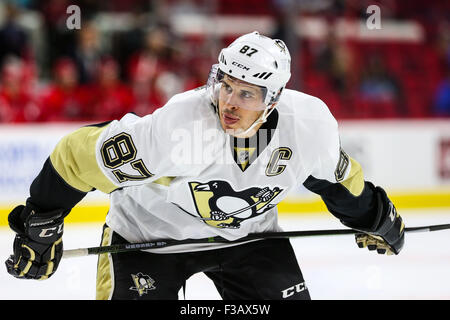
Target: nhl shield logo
[[244, 156], [220, 206]]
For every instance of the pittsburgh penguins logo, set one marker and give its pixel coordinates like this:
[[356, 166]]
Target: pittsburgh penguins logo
[[220, 206], [142, 283], [281, 45]]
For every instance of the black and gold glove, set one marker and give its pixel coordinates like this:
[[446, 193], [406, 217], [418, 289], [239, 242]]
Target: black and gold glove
[[387, 233], [38, 246]]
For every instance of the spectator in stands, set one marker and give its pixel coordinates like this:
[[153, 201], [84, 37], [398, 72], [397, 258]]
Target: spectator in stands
[[443, 41], [58, 41], [198, 72], [334, 59], [110, 98], [146, 97], [16, 101], [157, 59], [13, 38], [198, 53], [64, 99], [442, 97], [380, 90], [88, 52], [158, 51]]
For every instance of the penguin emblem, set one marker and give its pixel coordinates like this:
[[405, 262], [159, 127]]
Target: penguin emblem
[[219, 205]]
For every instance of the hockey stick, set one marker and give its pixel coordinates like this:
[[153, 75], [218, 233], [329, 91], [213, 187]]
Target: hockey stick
[[127, 247], [228, 215]]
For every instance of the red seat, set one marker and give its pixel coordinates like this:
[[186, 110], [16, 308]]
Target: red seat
[[365, 108]]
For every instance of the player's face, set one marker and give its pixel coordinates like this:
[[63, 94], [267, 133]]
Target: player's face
[[240, 104]]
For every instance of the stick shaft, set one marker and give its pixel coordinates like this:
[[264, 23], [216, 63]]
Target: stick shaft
[[266, 235], [75, 253]]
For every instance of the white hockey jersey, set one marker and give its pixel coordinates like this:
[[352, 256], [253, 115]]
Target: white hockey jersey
[[174, 174]]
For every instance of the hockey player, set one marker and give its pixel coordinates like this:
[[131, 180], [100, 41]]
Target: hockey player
[[214, 161]]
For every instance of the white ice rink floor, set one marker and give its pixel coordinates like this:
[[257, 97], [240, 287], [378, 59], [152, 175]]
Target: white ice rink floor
[[333, 266]]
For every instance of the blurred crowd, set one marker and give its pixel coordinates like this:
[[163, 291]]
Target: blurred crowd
[[79, 78]]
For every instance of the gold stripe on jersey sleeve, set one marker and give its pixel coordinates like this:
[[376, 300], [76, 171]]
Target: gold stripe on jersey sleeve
[[75, 161], [355, 180], [104, 283], [164, 181]]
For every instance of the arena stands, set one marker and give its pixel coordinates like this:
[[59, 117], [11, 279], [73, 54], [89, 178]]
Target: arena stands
[[132, 56]]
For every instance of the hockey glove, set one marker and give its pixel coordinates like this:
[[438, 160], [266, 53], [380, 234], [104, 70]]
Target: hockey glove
[[387, 233], [38, 244]]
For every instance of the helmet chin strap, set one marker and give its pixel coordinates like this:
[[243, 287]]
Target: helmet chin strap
[[262, 118]]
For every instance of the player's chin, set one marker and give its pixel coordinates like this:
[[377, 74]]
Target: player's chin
[[235, 131], [230, 127]]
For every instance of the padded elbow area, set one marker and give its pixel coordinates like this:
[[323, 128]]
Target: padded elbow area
[[355, 179], [74, 158]]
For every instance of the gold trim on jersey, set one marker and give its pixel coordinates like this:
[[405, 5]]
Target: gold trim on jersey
[[104, 283], [74, 158], [355, 180], [164, 181]]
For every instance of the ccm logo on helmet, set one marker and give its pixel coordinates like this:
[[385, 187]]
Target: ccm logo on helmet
[[237, 64]]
